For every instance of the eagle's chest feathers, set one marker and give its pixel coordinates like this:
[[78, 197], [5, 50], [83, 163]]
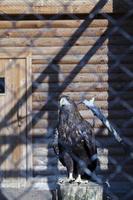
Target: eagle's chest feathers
[[68, 131]]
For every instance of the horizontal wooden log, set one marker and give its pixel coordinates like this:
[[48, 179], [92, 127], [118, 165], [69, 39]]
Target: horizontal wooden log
[[77, 87], [82, 50], [54, 23], [75, 59], [88, 68], [60, 41], [52, 161], [51, 32], [42, 107], [84, 77], [57, 23], [43, 152], [45, 171], [67, 68], [59, 32], [66, 7], [73, 87], [76, 96], [49, 9]]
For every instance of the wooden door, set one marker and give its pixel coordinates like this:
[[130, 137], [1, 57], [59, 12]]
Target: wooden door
[[13, 121]]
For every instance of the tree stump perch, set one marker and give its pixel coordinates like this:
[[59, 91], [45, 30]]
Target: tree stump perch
[[74, 191]]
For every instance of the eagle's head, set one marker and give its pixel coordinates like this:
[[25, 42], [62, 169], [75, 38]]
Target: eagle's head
[[66, 103]]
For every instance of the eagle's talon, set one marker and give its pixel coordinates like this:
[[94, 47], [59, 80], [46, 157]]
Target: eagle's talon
[[71, 180], [61, 180], [79, 180]]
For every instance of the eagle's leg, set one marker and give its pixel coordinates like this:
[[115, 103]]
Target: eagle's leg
[[79, 180], [70, 167], [71, 178]]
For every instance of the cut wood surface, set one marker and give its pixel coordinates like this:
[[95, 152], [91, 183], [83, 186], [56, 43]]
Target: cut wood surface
[[74, 191]]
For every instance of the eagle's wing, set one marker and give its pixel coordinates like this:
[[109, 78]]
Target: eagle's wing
[[85, 131]]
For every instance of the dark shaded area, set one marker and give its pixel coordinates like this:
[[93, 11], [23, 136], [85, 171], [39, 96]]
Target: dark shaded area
[[2, 196], [120, 100], [2, 85]]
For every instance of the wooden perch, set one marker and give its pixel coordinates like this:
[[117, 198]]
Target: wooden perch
[[75, 191]]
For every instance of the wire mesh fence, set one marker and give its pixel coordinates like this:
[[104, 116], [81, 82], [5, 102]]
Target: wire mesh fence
[[79, 49]]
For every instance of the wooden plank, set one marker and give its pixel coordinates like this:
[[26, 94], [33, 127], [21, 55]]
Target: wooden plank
[[75, 59], [59, 32], [88, 68], [84, 77], [50, 32], [73, 87], [74, 50], [75, 23], [40, 96], [51, 161], [66, 7], [67, 68], [77, 87], [54, 23], [59, 41], [46, 8], [102, 104]]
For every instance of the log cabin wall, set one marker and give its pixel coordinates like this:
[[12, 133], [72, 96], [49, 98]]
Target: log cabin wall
[[73, 57]]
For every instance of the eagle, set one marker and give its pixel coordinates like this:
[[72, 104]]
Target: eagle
[[74, 140]]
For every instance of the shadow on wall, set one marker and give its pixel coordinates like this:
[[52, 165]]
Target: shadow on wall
[[120, 99]]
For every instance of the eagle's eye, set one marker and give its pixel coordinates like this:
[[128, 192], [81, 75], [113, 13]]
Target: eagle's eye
[[64, 102]]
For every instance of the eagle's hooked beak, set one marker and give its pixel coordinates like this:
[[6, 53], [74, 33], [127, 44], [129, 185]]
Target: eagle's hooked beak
[[64, 102]]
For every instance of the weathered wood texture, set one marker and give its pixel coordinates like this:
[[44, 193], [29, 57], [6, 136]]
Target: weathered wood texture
[[13, 121], [90, 191], [66, 6]]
